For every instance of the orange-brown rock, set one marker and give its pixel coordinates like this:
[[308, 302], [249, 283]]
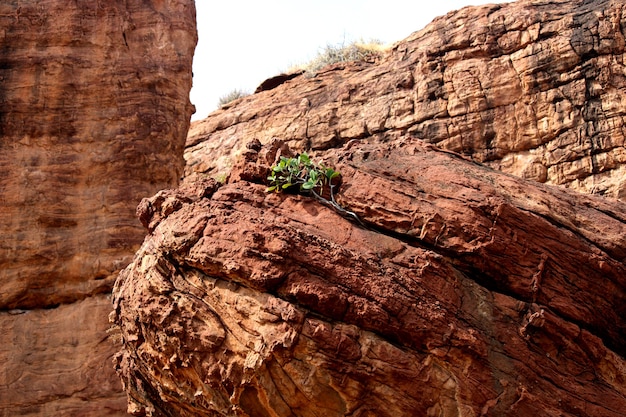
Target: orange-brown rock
[[57, 362], [470, 292], [533, 88], [94, 111], [466, 291]]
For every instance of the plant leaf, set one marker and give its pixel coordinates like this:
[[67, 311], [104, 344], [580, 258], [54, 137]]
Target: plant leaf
[[303, 158]]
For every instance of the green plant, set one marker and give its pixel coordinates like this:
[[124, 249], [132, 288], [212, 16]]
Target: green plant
[[232, 96], [302, 175], [221, 177], [301, 172]]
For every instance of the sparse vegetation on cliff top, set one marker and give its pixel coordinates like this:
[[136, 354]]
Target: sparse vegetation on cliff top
[[331, 54], [232, 96]]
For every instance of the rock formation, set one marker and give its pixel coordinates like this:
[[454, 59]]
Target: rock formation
[[468, 292], [94, 111], [532, 88]]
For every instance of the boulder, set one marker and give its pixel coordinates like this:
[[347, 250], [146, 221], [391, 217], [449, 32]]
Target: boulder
[[462, 291]]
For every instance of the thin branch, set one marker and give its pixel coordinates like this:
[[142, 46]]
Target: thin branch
[[306, 175], [334, 205]]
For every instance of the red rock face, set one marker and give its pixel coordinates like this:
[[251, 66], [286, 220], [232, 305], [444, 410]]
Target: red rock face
[[470, 292], [94, 110], [534, 89]]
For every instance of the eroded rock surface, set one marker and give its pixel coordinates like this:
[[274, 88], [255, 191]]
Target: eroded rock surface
[[94, 111], [468, 292], [471, 292], [532, 88], [56, 362]]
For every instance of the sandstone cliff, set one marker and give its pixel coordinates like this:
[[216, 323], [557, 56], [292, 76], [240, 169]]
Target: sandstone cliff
[[469, 292], [533, 88], [94, 111]]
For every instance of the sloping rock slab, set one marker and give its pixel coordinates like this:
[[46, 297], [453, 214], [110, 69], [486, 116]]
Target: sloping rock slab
[[532, 88], [470, 292]]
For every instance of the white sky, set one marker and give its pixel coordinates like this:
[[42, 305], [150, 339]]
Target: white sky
[[243, 42]]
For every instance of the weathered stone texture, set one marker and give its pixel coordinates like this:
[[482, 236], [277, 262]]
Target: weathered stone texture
[[94, 111], [472, 292], [532, 88], [57, 362], [93, 106]]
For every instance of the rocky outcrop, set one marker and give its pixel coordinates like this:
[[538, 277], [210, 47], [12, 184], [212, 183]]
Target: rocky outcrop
[[469, 292], [464, 290], [94, 110], [532, 88]]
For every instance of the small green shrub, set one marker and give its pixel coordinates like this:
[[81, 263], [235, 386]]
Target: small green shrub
[[232, 96], [302, 175], [221, 177]]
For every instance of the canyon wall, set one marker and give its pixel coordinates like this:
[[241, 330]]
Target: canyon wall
[[94, 111], [532, 88], [462, 291]]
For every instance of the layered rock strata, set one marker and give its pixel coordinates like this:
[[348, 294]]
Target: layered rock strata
[[532, 88], [469, 292], [94, 111]]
